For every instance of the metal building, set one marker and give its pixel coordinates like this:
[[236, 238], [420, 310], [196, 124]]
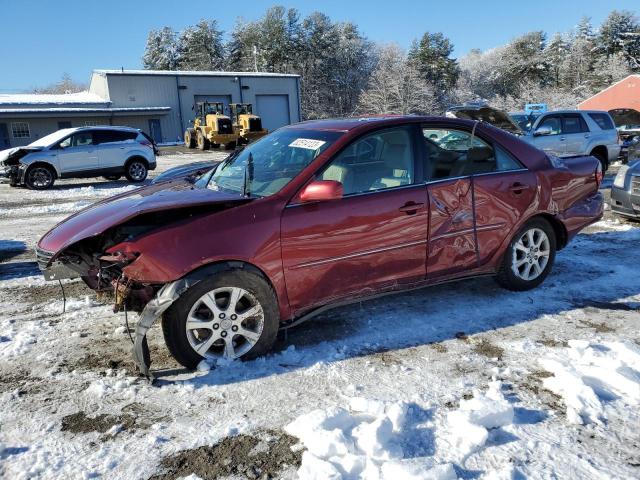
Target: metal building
[[158, 102], [622, 94]]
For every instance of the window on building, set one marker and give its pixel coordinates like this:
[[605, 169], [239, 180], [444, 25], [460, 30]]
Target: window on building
[[92, 123], [20, 130]]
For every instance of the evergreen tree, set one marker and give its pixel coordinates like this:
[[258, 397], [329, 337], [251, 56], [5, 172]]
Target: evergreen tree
[[161, 51], [620, 33], [201, 47], [432, 56]]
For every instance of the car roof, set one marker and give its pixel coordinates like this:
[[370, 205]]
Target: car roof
[[104, 127], [577, 111], [351, 123]]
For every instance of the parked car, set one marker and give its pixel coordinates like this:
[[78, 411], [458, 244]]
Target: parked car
[[320, 214], [192, 170], [562, 133], [81, 152], [627, 121], [625, 191]]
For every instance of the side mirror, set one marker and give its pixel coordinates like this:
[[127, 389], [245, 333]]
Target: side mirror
[[544, 130], [321, 190]]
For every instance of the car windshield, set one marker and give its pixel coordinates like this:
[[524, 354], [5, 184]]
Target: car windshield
[[523, 120], [52, 138], [266, 166]]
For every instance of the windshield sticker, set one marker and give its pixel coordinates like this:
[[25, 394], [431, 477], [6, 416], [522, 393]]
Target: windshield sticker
[[307, 143]]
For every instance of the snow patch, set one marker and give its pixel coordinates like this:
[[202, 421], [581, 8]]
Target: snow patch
[[588, 373]]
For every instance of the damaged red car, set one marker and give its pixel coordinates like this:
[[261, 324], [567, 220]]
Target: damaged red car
[[318, 215]]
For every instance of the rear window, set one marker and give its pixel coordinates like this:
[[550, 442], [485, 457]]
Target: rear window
[[110, 136], [603, 120]]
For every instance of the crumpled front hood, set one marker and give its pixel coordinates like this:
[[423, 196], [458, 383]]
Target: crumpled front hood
[[11, 152], [484, 113], [625, 116], [114, 211]]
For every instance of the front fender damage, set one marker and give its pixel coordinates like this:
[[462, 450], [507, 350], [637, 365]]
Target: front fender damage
[[164, 298]]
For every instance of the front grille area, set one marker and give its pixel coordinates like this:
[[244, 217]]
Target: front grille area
[[255, 124], [43, 257], [635, 185], [225, 125]]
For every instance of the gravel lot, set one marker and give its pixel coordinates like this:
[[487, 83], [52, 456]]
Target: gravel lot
[[71, 405]]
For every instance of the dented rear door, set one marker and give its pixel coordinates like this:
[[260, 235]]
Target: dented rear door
[[452, 246]]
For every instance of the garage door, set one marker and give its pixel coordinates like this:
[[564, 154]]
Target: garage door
[[226, 99], [274, 110]]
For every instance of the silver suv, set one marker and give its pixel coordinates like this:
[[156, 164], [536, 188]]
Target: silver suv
[[563, 133], [81, 152], [576, 132]]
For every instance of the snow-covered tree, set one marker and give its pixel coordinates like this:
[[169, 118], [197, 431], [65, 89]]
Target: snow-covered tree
[[620, 34], [432, 56], [65, 85], [397, 86], [161, 51], [200, 47]]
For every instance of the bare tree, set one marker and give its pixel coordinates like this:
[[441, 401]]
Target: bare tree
[[396, 86], [65, 85]]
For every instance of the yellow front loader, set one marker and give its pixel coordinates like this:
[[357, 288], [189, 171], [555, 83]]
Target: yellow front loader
[[247, 125], [211, 128]]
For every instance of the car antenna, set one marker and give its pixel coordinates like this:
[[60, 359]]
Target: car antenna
[[248, 176]]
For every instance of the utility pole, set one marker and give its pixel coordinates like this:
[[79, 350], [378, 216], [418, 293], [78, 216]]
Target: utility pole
[[255, 58]]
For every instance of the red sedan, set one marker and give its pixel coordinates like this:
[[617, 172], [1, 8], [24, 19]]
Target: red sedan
[[319, 214]]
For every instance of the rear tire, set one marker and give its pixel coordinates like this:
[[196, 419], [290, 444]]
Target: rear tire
[[202, 141], [190, 138], [603, 161], [529, 256], [136, 170], [39, 177], [225, 326]]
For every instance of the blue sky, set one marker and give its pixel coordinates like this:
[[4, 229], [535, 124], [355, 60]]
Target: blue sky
[[40, 39]]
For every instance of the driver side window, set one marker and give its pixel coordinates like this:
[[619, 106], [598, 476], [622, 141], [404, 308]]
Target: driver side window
[[554, 123], [374, 162]]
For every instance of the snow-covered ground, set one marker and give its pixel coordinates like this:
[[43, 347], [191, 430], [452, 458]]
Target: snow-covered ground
[[458, 381]]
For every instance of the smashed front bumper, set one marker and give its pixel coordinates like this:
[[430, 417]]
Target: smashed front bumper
[[12, 173]]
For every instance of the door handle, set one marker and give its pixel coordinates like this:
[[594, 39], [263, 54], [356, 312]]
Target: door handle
[[518, 188], [411, 207], [586, 135], [562, 139]]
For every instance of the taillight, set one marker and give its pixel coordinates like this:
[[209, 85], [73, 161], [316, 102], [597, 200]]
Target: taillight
[[599, 175], [147, 143], [619, 139]]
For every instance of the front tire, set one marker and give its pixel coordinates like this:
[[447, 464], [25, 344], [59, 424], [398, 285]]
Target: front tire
[[39, 177], [190, 138], [202, 141], [233, 315], [136, 171], [529, 256]]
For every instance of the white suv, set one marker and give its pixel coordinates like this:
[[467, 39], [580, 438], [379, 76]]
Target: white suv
[[81, 152]]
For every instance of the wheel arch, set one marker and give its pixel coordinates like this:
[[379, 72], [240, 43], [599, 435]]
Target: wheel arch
[[560, 231], [133, 157], [213, 268]]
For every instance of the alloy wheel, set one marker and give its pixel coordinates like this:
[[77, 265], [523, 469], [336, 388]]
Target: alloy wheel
[[40, 177], [137, 171], [225, 323], [531, 254]]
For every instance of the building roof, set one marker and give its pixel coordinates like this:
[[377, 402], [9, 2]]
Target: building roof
[[78, 98], [50, 110], [622, 94], [193, 73]]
